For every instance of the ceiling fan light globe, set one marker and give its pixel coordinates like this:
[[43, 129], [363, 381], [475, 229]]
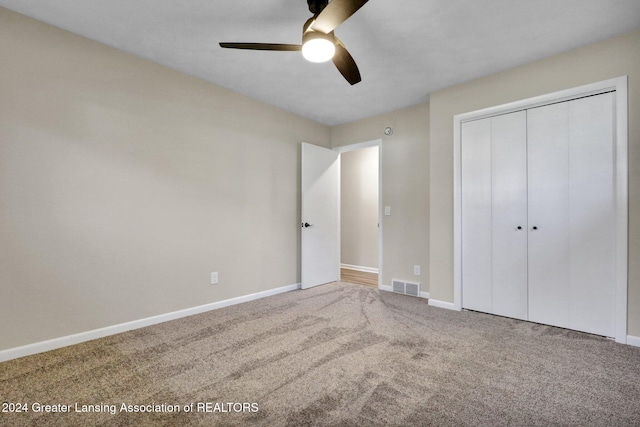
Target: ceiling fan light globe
[[318, 50]]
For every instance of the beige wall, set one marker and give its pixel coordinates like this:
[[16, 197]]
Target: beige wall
[[359, 207], [611, 58], [124, 184], [405, 187]]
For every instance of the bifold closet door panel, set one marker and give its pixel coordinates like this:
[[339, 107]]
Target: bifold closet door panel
[[494, 215], [476, 215], [509, 214], [571, 154], [548, 228], [592, 231]]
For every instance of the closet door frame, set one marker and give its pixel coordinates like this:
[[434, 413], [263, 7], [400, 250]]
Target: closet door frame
[[619, 85]]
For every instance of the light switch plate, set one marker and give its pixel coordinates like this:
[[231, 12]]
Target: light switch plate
[[387, 210]]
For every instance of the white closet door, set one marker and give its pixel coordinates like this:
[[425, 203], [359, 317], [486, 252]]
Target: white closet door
[[548, 160], [494, 205], [476, 215], [592, 228], [571, 203], [509, 214]]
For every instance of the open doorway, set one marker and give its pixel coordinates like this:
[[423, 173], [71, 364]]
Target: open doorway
[[360, 214]]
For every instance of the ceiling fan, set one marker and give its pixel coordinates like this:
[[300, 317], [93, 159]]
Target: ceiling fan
[[319, 44]]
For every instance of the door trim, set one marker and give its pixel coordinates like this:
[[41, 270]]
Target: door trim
[[619, 85], [367, 144]]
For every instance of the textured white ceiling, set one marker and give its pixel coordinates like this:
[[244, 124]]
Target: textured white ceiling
[[405, 49]]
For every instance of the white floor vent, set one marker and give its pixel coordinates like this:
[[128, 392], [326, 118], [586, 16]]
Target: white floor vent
[[406, 288]]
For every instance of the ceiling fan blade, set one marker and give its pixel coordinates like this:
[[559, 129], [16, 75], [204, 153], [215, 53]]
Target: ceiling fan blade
[[345, 64], [262, 46], [335, 14]]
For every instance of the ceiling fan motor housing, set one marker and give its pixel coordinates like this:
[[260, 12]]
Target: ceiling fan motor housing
[[309, 35], [317, 6]]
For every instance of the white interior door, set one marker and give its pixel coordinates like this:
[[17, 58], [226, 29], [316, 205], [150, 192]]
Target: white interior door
[[538, 214], [476, 216], [592, 233], [509, 214], [320, 246], [572, 216], [548, 154], [577, 208], [494, 215]]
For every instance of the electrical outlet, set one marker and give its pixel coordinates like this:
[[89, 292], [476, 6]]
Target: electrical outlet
[[416, 270], [214, 278]]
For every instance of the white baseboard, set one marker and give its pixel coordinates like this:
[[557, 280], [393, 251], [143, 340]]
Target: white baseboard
[[40, 347], [443, 304], [390, 289], [359, 268], [634, 341], [385, 288]]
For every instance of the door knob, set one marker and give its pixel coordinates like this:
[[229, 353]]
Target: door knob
[[535, 228], [519, 228], [306, 225]]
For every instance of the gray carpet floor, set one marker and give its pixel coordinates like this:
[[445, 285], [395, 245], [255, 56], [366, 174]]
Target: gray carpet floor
[[335, 355]]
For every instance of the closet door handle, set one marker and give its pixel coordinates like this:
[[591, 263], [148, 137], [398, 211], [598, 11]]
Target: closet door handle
[[519, 228], [535, 228]]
